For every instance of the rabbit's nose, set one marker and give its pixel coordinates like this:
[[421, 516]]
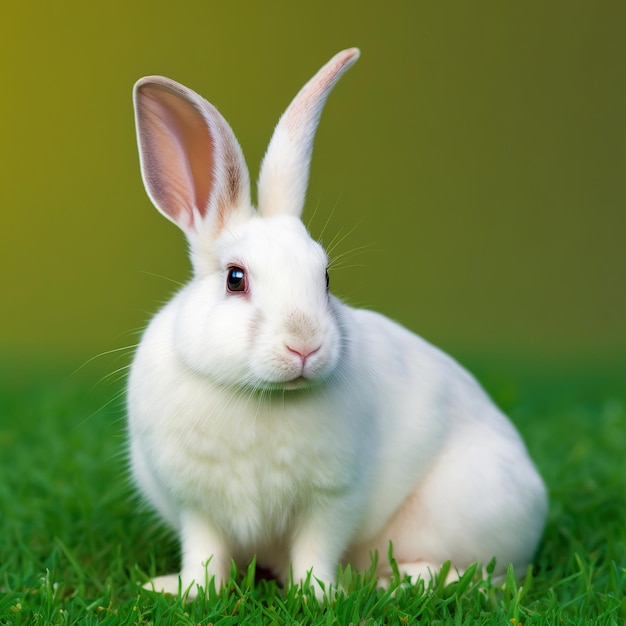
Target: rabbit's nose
[[304, 351]]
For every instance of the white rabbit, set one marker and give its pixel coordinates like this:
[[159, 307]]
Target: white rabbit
[[267, 418]]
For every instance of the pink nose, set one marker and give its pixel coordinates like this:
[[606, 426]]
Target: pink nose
[[304, 352]]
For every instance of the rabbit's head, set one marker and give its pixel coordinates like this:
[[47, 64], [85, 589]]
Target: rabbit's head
[[257, 312]]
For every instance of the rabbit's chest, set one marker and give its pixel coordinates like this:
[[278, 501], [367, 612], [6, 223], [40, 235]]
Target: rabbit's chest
[[254, 477]]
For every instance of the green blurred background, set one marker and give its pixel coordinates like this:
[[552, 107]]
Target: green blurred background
[[474, 159]]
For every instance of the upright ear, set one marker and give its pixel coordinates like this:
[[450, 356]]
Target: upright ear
[[192, 166], [284, 172]]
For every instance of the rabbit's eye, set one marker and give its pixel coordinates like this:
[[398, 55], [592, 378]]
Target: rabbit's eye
[[236, 280], [327, 281]]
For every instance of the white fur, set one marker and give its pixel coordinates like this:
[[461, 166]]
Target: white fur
[[281, 423]]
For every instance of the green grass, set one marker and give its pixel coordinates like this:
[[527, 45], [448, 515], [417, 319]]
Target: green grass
[[74, 542]]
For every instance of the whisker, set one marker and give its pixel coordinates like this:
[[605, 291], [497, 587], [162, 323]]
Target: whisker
[[330, 215], [165, 278], [113, 399], [314, 212], [334, 261], [101, 354], [339, 238], [111, 375]]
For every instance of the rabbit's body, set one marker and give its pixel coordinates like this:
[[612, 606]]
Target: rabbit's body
[[267, 418]]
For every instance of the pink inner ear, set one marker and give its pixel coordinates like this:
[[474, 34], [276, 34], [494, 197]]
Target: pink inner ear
[[177, 153]]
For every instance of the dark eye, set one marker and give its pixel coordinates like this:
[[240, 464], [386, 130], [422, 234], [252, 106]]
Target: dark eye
[[236, 280], [327, 281]]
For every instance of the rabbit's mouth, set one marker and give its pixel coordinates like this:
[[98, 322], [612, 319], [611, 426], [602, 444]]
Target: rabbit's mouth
[[302, 382], [297, 383]]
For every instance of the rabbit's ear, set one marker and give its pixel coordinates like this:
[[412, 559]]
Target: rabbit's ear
[[192, 166], [284, 172]]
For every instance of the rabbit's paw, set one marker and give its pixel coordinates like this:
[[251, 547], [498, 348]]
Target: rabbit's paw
[[165, 584]]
